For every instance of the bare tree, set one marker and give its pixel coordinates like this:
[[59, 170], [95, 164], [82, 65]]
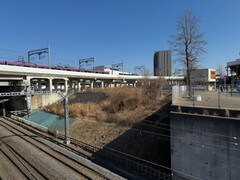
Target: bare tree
[[188, 43]]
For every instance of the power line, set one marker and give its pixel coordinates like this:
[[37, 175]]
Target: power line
[[63, 58], [149, 162], [176, 127], [169, 136], [8, 58], [203, 145], [161, 166], [13, 51], [166, 129]]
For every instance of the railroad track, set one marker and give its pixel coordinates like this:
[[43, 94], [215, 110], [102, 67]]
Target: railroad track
[[106, 156], [29, 170], [26, 168]]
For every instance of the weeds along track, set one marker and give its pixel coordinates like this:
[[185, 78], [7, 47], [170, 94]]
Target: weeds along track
[[29, 170]]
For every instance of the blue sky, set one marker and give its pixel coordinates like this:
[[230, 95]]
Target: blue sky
[[114, 31]]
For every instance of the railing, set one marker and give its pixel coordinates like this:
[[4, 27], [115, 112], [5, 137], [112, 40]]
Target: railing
[[144, 167], [223, 96]]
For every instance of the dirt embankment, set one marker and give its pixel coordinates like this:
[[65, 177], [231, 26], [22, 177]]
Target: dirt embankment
[[127, 120]]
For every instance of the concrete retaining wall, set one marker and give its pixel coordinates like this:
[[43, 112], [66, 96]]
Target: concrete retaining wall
[[205, 147], [39, 101]]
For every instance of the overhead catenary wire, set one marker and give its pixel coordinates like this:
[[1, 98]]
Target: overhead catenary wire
[[169, 136], [8, 58], [200, 133], [161, 166], [196, 131], [177, 127], [146, 161], [13, 51], [203, 145]]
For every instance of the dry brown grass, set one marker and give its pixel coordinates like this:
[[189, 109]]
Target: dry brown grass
[[120, 99], [123, 106], [90, 110], [56, 109]]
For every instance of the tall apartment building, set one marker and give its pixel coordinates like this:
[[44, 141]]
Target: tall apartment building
[[162, 61]]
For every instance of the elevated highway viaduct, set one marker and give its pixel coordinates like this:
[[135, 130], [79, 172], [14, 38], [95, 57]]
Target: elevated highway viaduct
[[19, 78], [50, 79]]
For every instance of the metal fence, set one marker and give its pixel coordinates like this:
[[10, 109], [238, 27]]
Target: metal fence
[[177, 91], [222, 96], [141, 166]]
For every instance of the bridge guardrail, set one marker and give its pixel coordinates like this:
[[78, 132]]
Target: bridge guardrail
[[224, 96]]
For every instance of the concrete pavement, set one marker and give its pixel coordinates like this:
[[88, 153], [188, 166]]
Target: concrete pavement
[[210, 99]]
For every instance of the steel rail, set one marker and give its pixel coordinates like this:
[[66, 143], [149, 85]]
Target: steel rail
[[53, 156]]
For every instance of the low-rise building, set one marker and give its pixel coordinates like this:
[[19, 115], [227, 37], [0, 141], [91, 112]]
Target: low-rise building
[[204, 77]]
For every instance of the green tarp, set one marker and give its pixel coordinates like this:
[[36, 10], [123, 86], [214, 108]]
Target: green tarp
[[49, 120]]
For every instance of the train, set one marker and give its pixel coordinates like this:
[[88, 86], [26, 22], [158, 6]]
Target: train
[[63, 68]]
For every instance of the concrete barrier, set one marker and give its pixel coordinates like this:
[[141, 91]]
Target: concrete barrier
[[39, 101]]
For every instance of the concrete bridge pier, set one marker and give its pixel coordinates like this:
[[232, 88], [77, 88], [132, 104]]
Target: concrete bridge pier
[[84, 84], [34, 85], [121, 83], [112, 84], [102, 84], [65, 85], [49, 84], [78, 85], [70, 83], [91, 84], [55, 84], [39, 84], [15, 86], [135, 84]]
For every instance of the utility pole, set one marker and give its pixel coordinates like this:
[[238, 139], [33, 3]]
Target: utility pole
[[66, 113], [28, 95], [29, 102]]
